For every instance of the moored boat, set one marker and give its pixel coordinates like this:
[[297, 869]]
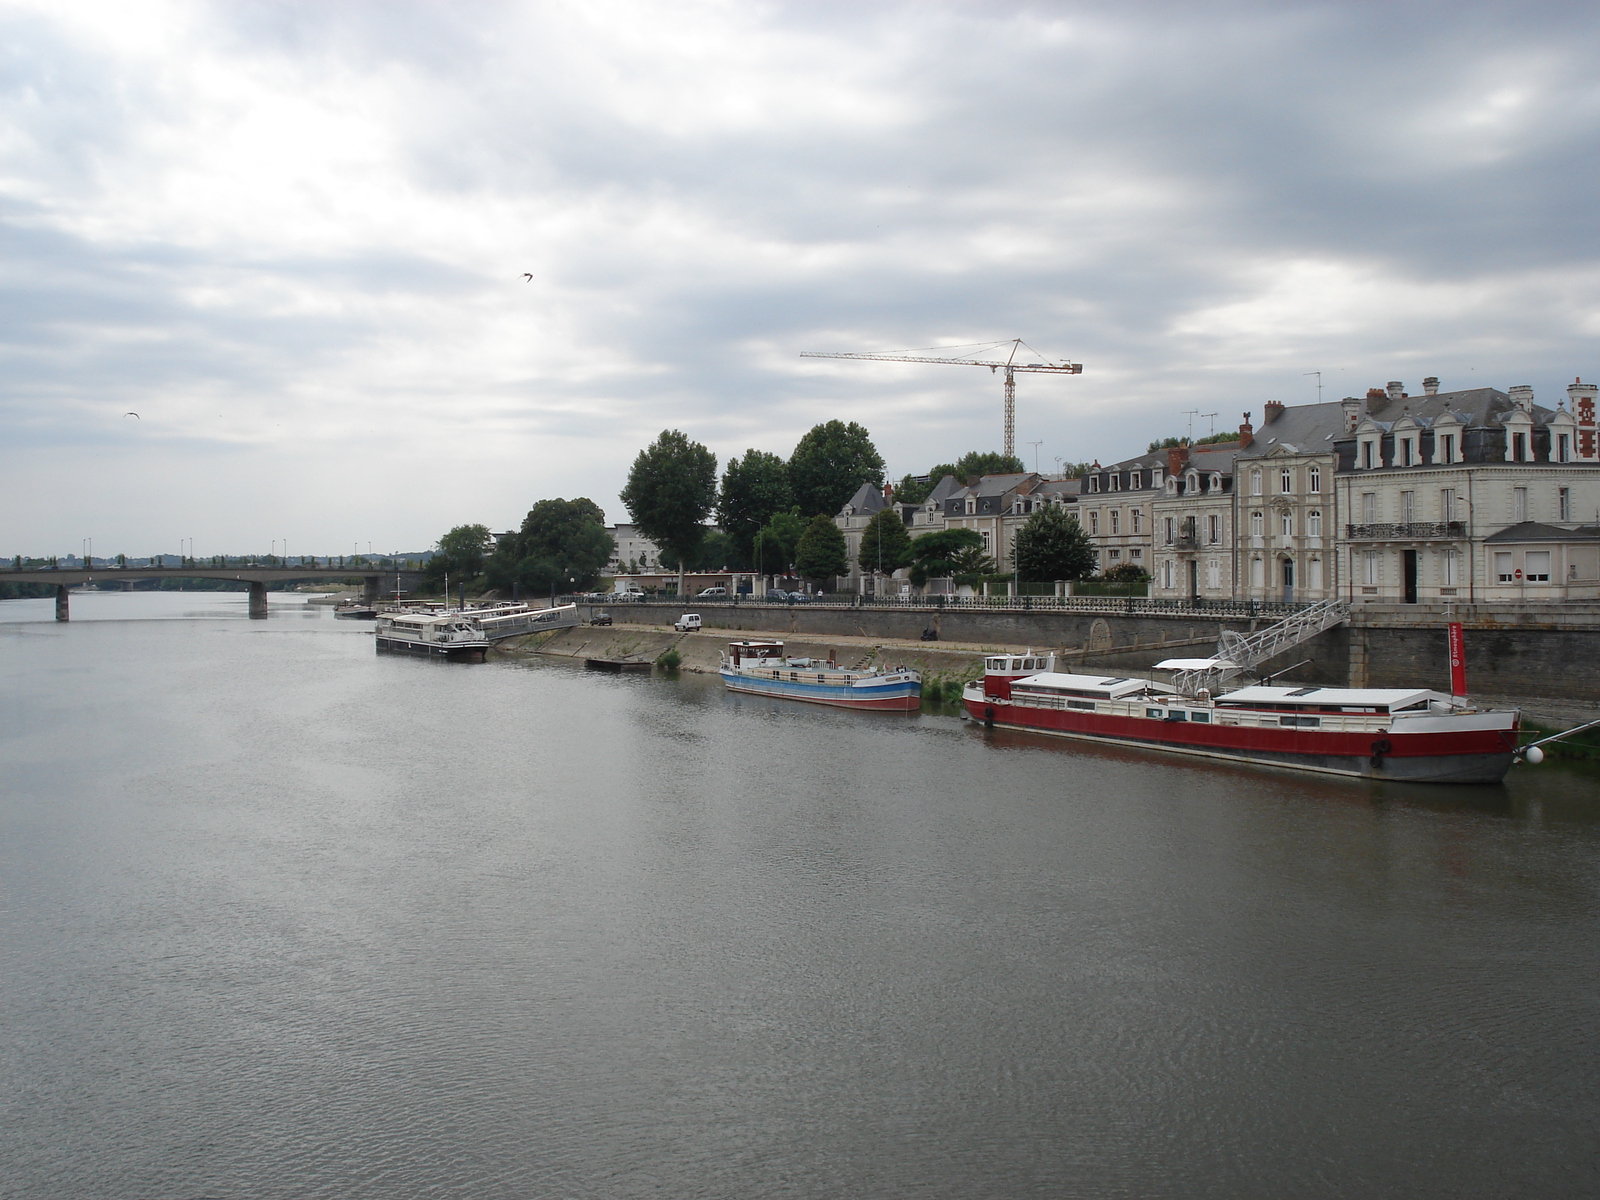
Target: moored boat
[[355, 611], [442, 635], [1411, 734], [761, 669]]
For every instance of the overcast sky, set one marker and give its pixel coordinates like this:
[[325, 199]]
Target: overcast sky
[[292, 237]]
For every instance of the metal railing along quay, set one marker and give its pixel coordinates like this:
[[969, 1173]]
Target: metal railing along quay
[[1118, 605]]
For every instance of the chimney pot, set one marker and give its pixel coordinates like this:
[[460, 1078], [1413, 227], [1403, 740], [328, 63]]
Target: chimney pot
[[1522, 396], [1247, 433], [1274, 410], [1176, 457], [1430, 385], [1354, 410], [1396, 390]]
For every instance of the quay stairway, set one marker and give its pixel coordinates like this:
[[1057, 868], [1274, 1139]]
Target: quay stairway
[[1238, 652]]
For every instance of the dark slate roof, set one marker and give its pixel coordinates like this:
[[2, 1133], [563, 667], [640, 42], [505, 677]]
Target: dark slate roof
[[1309, 428], [1534, 531], [999, 485], [1477, 406], [948, 486], [867, 501]]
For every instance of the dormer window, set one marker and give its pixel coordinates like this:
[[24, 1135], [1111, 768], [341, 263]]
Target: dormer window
[[1408, 452], [1172, 485], [1094, 483], [1519, 447], [1155, 477], [1563, 447], [1116, 483], [1368, 455], [1216, 481], [1191, 483]]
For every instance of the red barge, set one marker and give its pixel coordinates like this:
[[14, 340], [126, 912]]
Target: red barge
[[1415, 735]]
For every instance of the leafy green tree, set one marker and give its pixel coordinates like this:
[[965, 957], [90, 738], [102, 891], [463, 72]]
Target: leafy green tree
[[1052, 545], [753, 489], [716, 550], [913, 491], [1075, 470], [987, 462], [670, 492], [971, 565], [772, 549], [933, 555], [885, 544], [461, 555], [830, 463], [561, 543], [821, 553]]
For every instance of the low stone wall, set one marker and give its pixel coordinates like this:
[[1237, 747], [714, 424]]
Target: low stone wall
[[1512, 650]]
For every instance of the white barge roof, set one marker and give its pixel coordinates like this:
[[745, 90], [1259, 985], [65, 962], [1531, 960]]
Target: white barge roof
[[1390, 698], [1106, 685]]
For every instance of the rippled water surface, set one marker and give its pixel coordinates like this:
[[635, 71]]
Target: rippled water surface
[[283, 918]]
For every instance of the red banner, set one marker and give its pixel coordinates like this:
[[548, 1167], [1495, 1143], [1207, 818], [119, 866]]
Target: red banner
[[1458, 659]]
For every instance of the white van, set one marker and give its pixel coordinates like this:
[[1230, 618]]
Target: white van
[[688, 623], [627, 591]]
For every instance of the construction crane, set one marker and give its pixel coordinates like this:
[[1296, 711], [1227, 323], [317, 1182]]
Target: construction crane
[[1010, 366]]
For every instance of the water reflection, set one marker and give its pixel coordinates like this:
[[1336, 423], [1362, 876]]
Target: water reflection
[[287, 918]]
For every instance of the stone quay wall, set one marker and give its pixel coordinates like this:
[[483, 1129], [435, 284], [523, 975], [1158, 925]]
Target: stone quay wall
[[1512, 650]]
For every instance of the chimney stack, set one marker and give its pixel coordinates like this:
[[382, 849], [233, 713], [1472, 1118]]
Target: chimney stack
[[1247, 434], [1430, 385], [1177, 456], [1396, 390], [1522, 396], [1354, 411], [888, 491], [1274, 410], [1582, 396]]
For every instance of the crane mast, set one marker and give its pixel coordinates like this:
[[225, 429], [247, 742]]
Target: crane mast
[[1009, 365]]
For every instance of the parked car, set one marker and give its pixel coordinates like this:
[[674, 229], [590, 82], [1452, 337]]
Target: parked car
[[713, 591], [800, 597], [778, 594], [600, 618], [687, 623], [629, 593]]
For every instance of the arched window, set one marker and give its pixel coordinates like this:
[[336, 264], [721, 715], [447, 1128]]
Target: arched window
[[1314, 480], [1257, 522], [1286, 480], [1255, 482]]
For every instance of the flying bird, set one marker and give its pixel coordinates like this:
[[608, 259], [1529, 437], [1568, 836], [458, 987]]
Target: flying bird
[[528, 275], [135, 416]]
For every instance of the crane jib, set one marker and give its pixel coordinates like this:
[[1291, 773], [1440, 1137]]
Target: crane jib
[[1011, 370]]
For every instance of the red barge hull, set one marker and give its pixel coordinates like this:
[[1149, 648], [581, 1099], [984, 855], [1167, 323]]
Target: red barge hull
[[1456, 756]]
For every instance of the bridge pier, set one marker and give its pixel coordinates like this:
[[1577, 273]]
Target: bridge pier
[[369, 589], [62, 611], [258, 599]]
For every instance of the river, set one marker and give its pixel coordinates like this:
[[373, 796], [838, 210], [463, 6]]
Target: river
[[285, 918]]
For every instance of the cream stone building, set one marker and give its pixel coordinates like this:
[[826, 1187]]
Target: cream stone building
[[1469, 495]]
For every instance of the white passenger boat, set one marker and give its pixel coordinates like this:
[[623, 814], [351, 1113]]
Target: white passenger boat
[[762, 669], [439, 635]]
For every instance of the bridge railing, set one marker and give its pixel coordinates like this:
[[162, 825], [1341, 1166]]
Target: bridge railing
[[1125, 605]]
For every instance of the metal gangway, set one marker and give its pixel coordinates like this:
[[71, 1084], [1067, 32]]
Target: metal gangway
[[513, 620], [1238, 652]]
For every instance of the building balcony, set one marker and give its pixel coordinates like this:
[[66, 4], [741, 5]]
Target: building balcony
[[1185, 541], [1407, 531]]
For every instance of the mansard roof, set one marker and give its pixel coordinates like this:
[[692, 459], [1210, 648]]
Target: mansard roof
[[1308, 428]]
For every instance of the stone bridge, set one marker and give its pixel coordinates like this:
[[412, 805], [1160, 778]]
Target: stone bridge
[[373, 581]]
